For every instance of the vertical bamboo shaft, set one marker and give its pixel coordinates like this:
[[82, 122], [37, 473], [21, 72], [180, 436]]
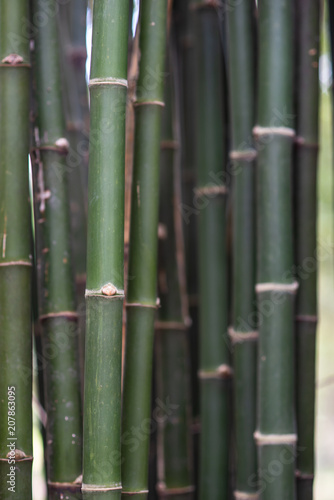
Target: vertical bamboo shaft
[[210, 194], [141, 299], [105, 253], [174, 437], [57, 304], [241, 77], [15, 256], [307, 128], [275, 436]]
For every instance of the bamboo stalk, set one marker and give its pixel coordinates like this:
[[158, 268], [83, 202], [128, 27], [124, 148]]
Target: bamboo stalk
[[173, 376], [275, 436], [307, 129], [57, 304], [141, 296], [15, 256], [105, 253], [210, 199], [73, 55], [241, 77]]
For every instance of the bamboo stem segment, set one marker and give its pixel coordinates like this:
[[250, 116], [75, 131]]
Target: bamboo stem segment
[[141, 299], [276, 288], [57, 298], [215, 372], [243, 334], [105, 253], [15, 257], [305, 181]]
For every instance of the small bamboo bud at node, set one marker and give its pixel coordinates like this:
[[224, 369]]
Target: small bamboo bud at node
[[162, 231], [108, 290], [63, 144], [12, 59]]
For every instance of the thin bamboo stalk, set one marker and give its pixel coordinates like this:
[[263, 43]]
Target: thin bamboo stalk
[[210, 199], [73, 58], [173, 375], [275, 436], [105, 252], [15, 256], [57, 303], [241, 76], [141, 296], [307, 129]]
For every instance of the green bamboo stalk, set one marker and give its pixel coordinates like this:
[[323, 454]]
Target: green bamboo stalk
[[186, 44], [57, 303], [141, 300], [210, 194], [173, 376], [241, 76], [105, 252], [15, 256], [307, 129], [73, 57], [275, 436]]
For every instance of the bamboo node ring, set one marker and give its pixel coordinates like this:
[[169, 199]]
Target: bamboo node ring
[[211, 190], [97, 82], [241, 495], [259, 131], [240, 337], [277, 287], [246, 155], [273, 439]]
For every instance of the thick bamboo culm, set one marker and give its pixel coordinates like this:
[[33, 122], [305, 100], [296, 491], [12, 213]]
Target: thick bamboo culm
[[241, 77], [210, 197], [305, 182], [15, 256], [142, 285], [105, 252], [57, 301], [174, 456], [276, 288]]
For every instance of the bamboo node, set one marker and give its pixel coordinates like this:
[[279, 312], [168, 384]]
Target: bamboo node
[[259, 131], [136, 104], [97, 82], [63, 144], [97, 487], [170, 325], [141, 492], [274, 439], [245, 155], [165, 491], [211, 190], [169, 145], [301, 141], [109, 290], [240, 337], [215, 4], [12, 59], [303, 475], [222, 372], [241, 495], [277, 287], [16, 263], [307, 319]]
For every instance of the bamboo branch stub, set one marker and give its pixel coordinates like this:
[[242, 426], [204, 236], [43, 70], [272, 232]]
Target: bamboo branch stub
[[274, 439]]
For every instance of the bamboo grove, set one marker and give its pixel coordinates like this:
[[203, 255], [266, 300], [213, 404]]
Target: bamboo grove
[[155, 218]]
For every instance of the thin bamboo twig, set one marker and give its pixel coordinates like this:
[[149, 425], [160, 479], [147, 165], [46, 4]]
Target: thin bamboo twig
[[15, 256]]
